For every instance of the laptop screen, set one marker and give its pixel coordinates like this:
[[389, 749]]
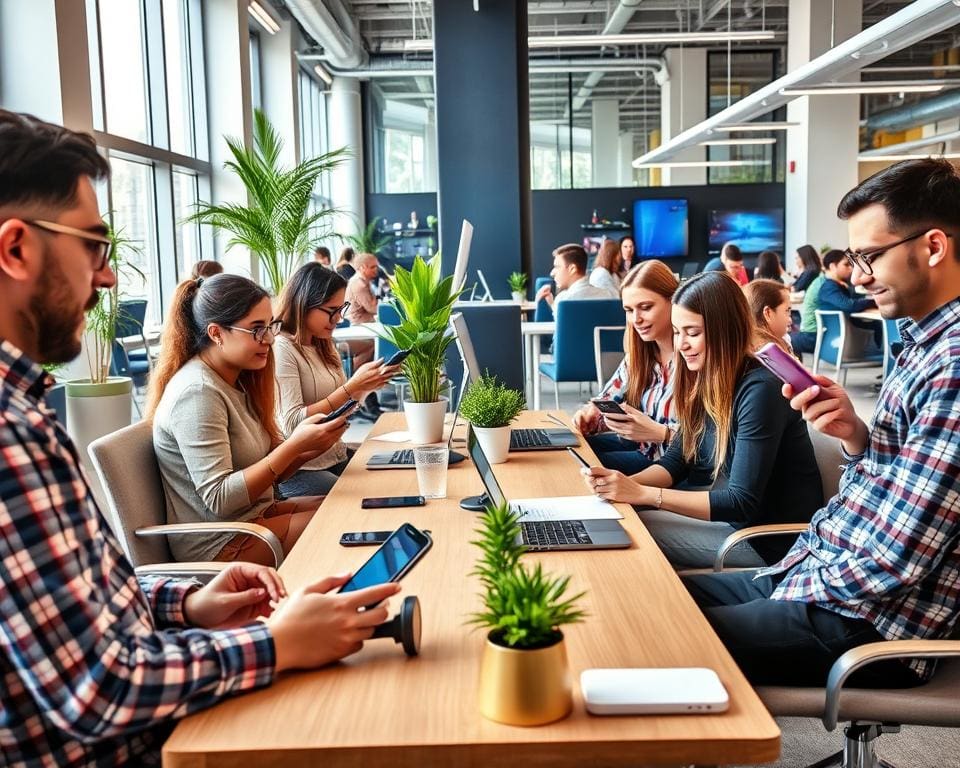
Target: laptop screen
[[465, 345], [483, 467]]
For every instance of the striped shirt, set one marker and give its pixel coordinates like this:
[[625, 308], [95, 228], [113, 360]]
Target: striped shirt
[[95, 663], [656, 401], [886, 548]]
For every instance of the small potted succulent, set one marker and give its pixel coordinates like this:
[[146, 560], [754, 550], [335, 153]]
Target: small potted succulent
[[490, 406], [518, 286], [524, 674]]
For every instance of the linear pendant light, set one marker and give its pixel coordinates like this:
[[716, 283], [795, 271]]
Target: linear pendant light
[[701, 164], [773, 125], [902, 86], [737, 142], [263, 18], [918, 156]]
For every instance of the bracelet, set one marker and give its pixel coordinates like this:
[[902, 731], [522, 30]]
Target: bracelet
[[659, 498], [346, 391], [272, 470], [666, 434]]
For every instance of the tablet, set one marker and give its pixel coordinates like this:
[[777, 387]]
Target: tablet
[[683, 690]]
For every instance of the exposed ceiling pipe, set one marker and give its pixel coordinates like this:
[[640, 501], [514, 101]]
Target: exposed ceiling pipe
[[329, 23], [941, 107], [908, 146]]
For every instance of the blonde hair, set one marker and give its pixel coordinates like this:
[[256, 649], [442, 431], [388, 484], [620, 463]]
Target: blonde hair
[[641, 355], [609, 256]]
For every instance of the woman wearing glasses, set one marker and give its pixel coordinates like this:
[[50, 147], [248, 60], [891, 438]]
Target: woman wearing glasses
[[310, 376], [215, 432]]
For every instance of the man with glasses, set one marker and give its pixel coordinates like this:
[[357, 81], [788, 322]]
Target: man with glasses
[[882, 560], [96, 663]]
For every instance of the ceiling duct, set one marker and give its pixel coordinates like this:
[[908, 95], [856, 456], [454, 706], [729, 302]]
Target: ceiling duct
[[329, 23], [941, 107], [398, 66], [615, 24]]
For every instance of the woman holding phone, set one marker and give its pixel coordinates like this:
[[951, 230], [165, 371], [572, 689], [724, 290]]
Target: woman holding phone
[[211, 401], [734, 421], [310, 375], [643, 384]]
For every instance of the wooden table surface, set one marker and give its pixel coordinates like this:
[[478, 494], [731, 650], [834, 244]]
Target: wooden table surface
[[380, 708]]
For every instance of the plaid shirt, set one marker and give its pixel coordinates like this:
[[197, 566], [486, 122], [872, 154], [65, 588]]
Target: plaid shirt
[[92, 671], [887, 547], [656, 401]]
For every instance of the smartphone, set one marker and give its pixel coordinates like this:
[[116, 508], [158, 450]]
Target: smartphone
[[393, 560], [578, 457], [786, 368], [398, 357], [378, 502], [335, 414], [363, 538], [609, 406]]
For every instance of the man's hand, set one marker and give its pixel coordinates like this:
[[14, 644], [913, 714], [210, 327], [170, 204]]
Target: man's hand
[[833, 416], [545, 292], [239, 594]]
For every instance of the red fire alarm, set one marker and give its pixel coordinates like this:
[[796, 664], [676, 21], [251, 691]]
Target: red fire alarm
[[793, 166]]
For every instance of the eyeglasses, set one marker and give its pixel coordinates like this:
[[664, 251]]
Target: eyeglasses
[[98, 245], [865, 259], [260, 334], [341, 310]]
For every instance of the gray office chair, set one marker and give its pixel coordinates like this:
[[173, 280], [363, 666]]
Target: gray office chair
[[127, 467]]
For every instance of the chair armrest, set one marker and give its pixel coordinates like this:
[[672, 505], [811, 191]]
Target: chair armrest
[[753, 532], [202, 570], [859, 657], [265, 535]]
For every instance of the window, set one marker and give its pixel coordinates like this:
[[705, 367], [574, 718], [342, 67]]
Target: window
[[314, 136], [402, 129], [256, 93], [124, 75], [186, 195]]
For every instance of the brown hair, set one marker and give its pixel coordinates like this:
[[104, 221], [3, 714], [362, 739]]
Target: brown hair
[[760, 295], [641, 355], [308, 288], [571, 253], [728, 336], [769, 266], [206, 268], [609, 256], [225, 300]]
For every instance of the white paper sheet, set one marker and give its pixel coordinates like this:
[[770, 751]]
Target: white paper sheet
[[392, 437], [565, 508]]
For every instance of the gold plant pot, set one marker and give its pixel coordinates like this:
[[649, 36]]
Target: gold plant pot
[[525, 687]]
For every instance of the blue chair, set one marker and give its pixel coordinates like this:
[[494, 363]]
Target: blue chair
[[837, 345], [135, 363], [891, 336], [573, 349], [542, 312]]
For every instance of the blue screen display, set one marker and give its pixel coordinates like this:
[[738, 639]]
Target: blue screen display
[[660, 228], [752, 231], [392, 557]]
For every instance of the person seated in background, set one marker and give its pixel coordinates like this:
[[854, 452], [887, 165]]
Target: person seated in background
[[770, 306], [362, 300], [211, 400], [98, 663], [643, 383], [628, 252], [807, 268], [570, 274], [205, 268], [831, 291], [769, 268], [321, 255], [881, 561], [730, 261], [606, 269], [310, 376], [734, 421], [344, 266]]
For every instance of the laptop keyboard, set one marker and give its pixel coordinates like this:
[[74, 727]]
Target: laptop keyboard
[[554, 533], [403, 456], [529, 438]]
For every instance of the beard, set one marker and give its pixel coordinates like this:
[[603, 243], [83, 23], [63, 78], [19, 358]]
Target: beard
[[55, 314]]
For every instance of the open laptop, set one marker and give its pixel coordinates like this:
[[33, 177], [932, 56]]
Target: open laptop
[[550, 534], [520, 439], [487, 293], [402, 458]]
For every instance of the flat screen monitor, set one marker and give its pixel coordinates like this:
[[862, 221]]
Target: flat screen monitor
[[753, 231], [660, 228]]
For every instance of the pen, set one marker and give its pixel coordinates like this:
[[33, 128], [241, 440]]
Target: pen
[[556, 420]]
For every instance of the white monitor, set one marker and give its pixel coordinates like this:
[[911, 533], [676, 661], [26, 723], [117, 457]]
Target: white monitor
[[465, 345], [487, 293], [463, 255]]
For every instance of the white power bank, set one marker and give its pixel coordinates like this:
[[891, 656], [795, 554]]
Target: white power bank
[[689, 690]]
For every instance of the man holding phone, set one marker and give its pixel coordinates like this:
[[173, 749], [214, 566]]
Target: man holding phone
[[882, 559]]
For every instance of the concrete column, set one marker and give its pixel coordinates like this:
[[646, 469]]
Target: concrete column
[[346, 130], [824, 146], [683, 103], [604, 142], [430, 151], [30, 82], [278, 66], [625, 157]]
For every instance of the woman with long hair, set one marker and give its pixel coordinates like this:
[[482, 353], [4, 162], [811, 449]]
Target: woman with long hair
[[733, 420], [606, 268], [643, 383], [212, 403], [628, 251], [807, 267], [770, 308], [310, 375], [769, 268], [344, 266]]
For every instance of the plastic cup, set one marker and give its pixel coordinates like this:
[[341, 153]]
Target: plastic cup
[[431, 464]]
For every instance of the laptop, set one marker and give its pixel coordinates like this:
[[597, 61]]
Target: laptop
[[402, 458], [488, 294], [546, 535], [520, 439]]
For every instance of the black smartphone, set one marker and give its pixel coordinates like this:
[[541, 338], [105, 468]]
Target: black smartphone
[[609, 406], [578, 457], [363, 538], [350, 404], [393, 560], [378, 502], [398, 357]]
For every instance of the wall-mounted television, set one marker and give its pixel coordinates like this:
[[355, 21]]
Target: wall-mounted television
[[753, 231], [660, 228]]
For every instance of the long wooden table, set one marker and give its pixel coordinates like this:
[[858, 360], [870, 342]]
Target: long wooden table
[[380, 708]]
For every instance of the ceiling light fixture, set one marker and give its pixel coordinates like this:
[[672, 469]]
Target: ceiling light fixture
[[885, 158], [262, 17], [776, 125], [324, 75], [904, 86], [701, 164], [737, 142], [903, 147]]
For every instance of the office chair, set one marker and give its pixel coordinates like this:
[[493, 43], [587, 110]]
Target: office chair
[[892, 345], [607, 351], [127, 467], [839, 346], [134, 363]]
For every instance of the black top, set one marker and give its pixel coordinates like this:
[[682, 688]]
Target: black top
[[806, 277], [346, 271], [770, 474]]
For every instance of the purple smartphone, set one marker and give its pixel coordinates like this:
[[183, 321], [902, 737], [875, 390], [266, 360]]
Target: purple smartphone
[[786, 368]]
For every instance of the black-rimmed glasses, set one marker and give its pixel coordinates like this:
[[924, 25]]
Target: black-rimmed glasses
[[332, 313], [865, 259], [260, 334], [99, 245]]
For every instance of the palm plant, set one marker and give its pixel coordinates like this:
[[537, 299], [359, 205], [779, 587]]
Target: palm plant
[[277, 225], [366, 240]]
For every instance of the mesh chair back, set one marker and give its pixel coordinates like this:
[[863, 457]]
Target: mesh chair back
[[573, 342], [127, 467]]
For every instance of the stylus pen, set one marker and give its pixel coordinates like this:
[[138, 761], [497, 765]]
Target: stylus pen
[[556, 420]]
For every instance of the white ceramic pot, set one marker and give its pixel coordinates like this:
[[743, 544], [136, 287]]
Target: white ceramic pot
[[495, 442], [95, 410], [517, 296], [425, 421]]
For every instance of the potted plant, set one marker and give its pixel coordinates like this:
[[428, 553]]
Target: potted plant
[[367, 240], [277, 224], [518, 286], [490, 406], [424, 300], [524, 675]]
